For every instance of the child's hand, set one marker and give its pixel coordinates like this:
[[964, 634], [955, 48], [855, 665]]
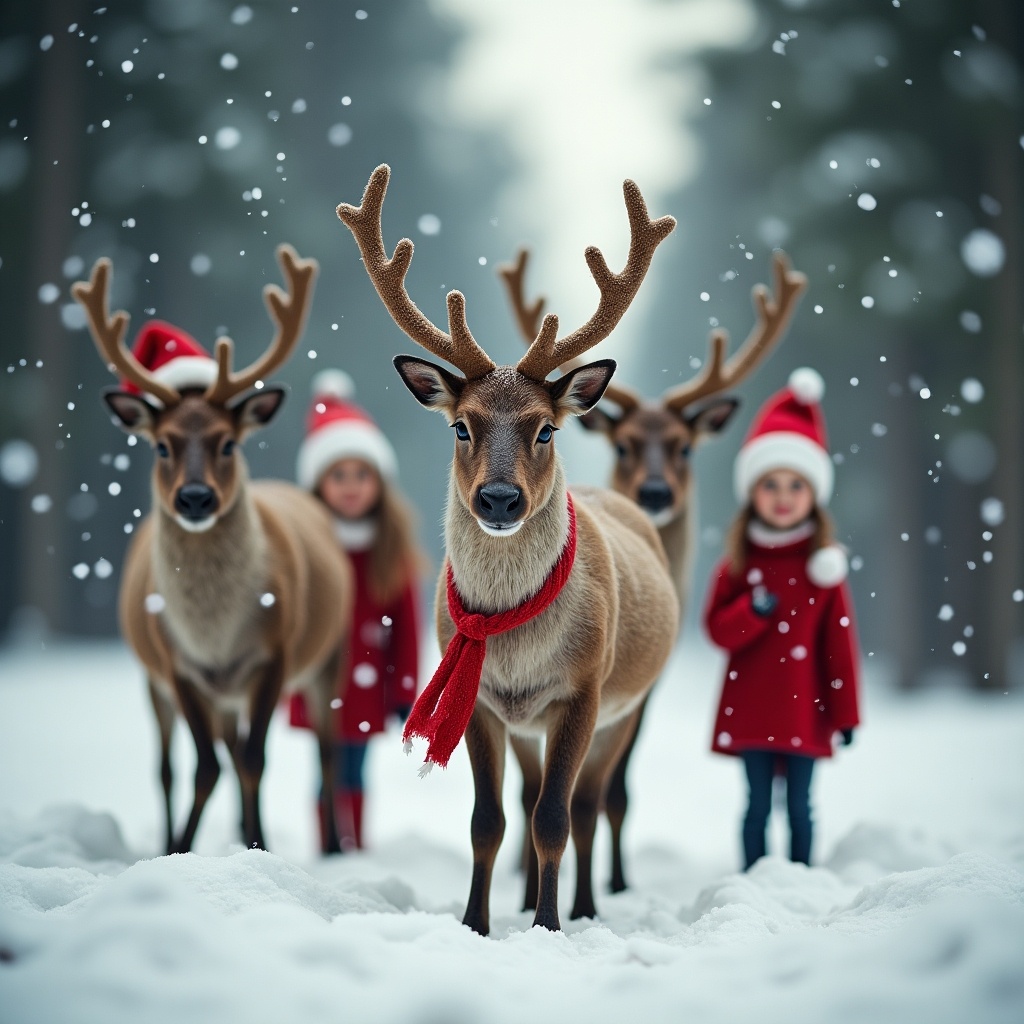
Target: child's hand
[[763, 602], [847, 735]]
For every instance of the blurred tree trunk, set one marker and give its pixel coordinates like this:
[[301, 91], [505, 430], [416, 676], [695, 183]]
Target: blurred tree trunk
[[57, 130], [1003, 160]]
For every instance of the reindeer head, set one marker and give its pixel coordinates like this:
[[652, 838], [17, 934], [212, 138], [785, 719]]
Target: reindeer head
[[196, 432], [504, 417], [655, 438]]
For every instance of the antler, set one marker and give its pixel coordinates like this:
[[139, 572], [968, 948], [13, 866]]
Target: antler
[[287, 310], [388, 276], [773, 317], [528, 319], [617, 291], [527, 316], [108, 333]]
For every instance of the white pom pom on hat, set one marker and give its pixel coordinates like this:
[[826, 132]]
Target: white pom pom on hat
[[807, 385], [333, 383]]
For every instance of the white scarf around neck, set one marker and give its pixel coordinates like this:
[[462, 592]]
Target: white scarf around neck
[[765, 536], [356, 534]]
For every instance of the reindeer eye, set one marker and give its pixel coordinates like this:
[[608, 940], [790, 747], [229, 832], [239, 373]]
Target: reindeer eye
[[621, 451], [685, 451], [545, 434], [162, 450], [460, 431], [229, 447]]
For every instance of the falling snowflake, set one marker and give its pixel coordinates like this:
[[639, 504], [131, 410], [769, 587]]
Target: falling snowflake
[[983, 252], [993, 512]]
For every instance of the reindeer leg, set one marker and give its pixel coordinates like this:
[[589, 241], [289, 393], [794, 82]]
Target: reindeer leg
[[165, 712], [617, 802], [318, 703], [527, 753], [568, 740], [207, 766], [605, 752], [253, 759], [229, 734], [485, 740]]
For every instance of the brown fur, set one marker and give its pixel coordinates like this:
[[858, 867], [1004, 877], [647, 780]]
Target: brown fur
[[575, 675], [214, 650], [254, 593], [652, 442], [577, 672]]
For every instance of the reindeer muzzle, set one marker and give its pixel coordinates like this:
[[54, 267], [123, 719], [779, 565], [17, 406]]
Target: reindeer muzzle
[[654, 495], [195, 503], [498, 507]]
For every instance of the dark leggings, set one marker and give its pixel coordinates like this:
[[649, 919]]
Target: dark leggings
[[349, 758], [760, 765]]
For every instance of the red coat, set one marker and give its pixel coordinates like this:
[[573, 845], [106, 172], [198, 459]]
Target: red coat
[[792, 676], [383, 661]]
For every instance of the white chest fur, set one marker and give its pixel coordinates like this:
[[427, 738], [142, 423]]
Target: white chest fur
[[213, 585]]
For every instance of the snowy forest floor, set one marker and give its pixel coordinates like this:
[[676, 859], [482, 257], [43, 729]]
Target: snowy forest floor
[[914, 910]]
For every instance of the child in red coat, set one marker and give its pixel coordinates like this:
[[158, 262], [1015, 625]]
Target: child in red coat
[[350, 465], [780, 606]]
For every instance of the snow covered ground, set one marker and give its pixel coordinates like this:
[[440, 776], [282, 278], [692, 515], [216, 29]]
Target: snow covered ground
[[914, 912]]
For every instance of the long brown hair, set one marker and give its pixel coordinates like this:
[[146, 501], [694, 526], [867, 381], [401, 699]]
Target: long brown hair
[[737, 544], [396, 559]]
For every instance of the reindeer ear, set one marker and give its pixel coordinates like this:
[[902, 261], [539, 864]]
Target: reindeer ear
[[432, 386], [598, 421], [578, 391], [711, 418], [132, 413], [257, 409]]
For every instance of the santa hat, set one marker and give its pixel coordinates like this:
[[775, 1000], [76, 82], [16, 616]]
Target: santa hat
[[173, 357], [788, 433], [337, 428]]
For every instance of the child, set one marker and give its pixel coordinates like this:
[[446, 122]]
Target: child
[[779, 605], [349, 464]]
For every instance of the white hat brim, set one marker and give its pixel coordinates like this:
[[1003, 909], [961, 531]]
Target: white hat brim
[[344, 440], [783, 449]]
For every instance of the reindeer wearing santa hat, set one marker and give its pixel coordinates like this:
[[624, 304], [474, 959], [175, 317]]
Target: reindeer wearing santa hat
[[233, 591]]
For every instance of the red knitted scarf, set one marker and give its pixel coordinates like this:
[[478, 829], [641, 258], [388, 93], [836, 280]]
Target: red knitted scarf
[[442, 711]]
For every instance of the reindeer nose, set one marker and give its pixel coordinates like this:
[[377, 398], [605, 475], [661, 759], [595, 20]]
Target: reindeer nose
[[195, 502], [655, 495], [498, 503]]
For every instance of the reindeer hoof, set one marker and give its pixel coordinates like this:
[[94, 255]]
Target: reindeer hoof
[[478, 925], [549, 921]]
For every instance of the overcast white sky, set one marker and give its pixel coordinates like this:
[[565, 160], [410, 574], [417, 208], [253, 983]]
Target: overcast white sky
[[582, 94]]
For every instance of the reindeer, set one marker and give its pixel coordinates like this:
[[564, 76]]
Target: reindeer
[[232, 590], [653, 440], [577, 671]]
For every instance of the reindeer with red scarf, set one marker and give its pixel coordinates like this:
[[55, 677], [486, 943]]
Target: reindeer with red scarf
[[252, 592], [653, 440], [556, 610]]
